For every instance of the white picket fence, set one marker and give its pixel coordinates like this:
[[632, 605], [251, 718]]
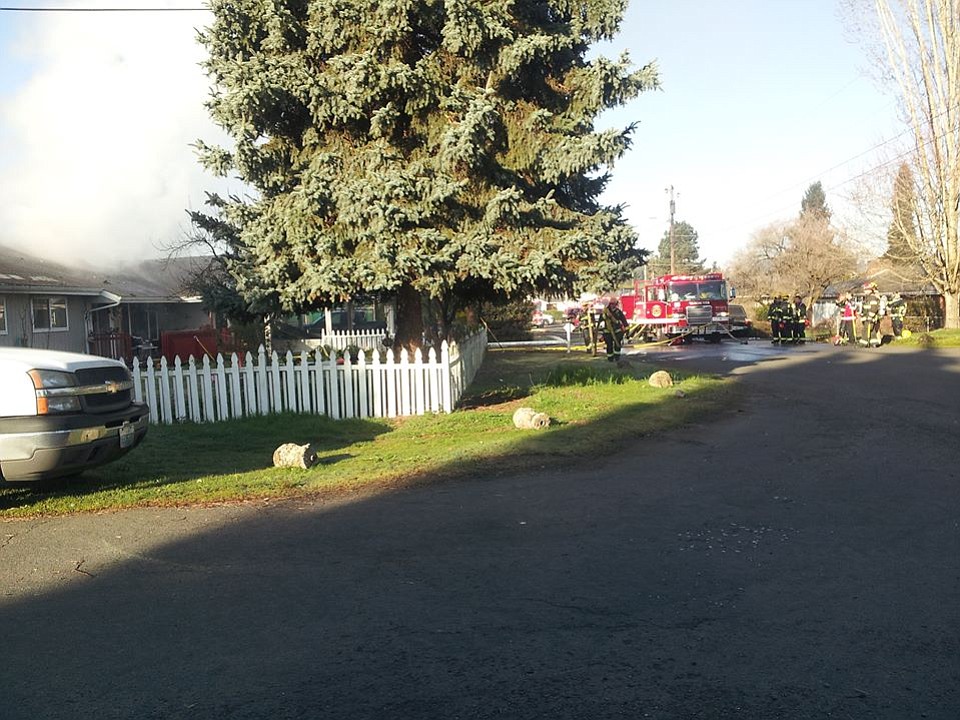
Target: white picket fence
[[393, 386], [363, 339]]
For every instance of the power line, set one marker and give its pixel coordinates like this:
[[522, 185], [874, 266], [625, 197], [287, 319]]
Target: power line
[[874, 168]]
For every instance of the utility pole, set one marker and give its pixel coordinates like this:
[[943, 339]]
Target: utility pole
[[673, 208]]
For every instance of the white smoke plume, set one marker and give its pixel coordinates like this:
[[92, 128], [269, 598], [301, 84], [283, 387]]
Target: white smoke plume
[[96, 127]]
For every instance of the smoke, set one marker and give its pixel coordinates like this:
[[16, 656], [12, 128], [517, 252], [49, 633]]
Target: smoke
[[95, 133]]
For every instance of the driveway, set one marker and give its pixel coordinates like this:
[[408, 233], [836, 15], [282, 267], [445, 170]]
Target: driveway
[[798, 557]]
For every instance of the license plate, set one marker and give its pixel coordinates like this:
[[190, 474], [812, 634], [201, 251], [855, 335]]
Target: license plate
[[126, 435]]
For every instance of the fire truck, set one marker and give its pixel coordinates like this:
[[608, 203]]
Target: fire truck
[[679, 307]]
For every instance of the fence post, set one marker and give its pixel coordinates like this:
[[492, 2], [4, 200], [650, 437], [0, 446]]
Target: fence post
[[208, 413], [348, 392], [263, 400], [434, 373], [236, 409], [319, 385], [165, 391], [403, 387], [194, 389], [418, 378], [137, 379], [445, 377], [249, 386], [291, 384], [305, 405], [222, 389], [391, 389], [333, 384], [275, 387], [363, 409], [377, 389], [152, 393]]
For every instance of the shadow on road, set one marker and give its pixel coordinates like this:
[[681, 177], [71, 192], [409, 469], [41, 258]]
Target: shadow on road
[[800, 559]]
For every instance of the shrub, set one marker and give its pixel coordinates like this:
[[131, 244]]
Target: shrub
[[508, 320]]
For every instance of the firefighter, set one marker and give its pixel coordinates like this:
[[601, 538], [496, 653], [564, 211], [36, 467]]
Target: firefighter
[[614, 326], [775, 315], [588, 326], [799, 320], [897, 307], [789, 320], [848, 318], [870, 312]]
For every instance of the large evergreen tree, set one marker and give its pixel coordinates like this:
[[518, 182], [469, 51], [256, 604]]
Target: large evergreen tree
[[441, 150]]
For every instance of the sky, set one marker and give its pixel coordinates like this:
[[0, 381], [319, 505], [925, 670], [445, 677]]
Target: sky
[[759, 99]]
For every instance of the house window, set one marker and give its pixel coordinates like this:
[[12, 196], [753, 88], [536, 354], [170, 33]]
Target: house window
[[49, 313], [3, 316]]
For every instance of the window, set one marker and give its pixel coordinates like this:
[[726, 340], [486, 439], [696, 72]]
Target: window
[[3, 316], [49, 313]]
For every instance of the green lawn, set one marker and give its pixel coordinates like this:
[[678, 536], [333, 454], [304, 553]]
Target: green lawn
[[595, 408], [933, 339]]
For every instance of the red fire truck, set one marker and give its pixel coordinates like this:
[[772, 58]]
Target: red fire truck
[[675, 306]]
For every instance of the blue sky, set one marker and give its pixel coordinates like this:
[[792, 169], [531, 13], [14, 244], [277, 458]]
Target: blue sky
[[760, 98]]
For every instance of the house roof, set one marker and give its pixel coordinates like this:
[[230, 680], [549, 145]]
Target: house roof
[[22, 273], [150, 281], [160, 280], [889, 279]]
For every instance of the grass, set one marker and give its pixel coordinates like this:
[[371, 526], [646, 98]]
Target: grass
[[595, 407], [933, 339]]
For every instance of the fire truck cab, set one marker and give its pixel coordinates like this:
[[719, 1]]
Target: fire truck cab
[[674, 306]]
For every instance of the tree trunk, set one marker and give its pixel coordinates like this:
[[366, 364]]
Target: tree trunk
[[951, 310], [409, 318]]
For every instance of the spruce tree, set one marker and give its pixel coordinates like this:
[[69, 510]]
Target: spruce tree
[[902, 233], [686, 251], [814, 203], [442, 150]]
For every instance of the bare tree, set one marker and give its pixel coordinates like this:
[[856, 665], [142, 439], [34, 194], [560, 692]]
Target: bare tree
[[921, 43], [803, 257], [754, 267]]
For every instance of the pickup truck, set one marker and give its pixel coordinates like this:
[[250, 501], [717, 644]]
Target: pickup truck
[[61, 413]]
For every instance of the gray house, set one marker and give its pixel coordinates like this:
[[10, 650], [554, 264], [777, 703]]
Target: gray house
[[117, 314], [924, 303]]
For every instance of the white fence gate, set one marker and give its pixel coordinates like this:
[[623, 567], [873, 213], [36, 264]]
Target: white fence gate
[[370, 387]]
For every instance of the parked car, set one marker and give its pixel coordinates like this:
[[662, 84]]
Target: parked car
[[542, 319], [61, 413], [740, 324]]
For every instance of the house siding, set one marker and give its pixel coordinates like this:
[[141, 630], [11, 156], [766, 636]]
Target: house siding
[[20, 331]]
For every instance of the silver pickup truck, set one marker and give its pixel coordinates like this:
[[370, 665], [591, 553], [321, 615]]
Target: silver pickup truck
[[61, 413]]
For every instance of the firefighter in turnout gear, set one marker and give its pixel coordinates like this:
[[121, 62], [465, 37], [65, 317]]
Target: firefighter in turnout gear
[[871, 316], [848, 321], [799, 320], [588, 327], [789, 320], [775, 315], [614, 327], [897, 307]]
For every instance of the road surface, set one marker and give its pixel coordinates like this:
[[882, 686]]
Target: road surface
[[798, 557]]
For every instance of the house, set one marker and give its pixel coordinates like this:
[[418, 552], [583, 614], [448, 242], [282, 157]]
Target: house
[[117, 314], [925, 309]]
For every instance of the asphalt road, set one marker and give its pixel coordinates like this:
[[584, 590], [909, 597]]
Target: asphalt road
[[798, 557]]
